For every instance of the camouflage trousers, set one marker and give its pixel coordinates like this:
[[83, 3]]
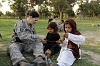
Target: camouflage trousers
[[15, 49]]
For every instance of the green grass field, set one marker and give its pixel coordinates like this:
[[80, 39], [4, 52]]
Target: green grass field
[[6, 29]]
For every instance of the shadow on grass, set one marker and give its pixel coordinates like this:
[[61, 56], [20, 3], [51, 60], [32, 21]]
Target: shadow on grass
[[5, 60]]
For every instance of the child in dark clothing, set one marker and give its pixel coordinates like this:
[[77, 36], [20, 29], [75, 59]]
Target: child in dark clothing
[[51, 42]]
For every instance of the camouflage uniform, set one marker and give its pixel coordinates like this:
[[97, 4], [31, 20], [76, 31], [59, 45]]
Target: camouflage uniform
[[24, 39]]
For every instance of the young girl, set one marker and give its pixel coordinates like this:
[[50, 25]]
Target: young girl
[[72, 39], [51, 42]]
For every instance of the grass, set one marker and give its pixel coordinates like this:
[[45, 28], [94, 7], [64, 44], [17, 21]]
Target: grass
[[6, 29]]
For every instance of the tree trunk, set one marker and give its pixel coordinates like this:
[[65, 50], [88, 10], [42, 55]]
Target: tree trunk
[[61, 15], [19, 15]]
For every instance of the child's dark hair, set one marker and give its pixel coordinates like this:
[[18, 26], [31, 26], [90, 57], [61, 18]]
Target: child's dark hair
[[50, 20], [53, 25], [55, 16], [62, 21]]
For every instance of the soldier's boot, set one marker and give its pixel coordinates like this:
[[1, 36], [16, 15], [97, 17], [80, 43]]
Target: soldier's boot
[[39, 61]]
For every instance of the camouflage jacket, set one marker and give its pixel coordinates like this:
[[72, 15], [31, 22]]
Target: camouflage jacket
[[24, 33]]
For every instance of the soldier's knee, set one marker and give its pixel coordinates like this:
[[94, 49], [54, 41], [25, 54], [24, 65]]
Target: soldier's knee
[[12, 46], [9, 48]]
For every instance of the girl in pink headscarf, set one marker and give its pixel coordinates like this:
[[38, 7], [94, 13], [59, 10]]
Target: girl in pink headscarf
[[72, 39]]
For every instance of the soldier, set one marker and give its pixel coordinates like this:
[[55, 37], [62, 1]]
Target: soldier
[[25, 39]]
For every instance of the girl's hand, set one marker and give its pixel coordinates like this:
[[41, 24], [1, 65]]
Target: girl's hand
[[65, 35], [48, 53]]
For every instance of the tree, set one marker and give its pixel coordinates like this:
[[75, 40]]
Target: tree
[[0, 4], [43, 7], [37, 2], [19, 7], [91, 9], [22, 6], [70, 12], [60, 6], [95, 9], [43, 10], [8, 13], [1, 13]]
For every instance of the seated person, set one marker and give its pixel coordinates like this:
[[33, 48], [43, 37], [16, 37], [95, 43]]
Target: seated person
[[51, 42], [25, 39]]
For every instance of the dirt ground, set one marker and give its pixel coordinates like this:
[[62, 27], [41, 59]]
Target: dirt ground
[[92, 37]]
